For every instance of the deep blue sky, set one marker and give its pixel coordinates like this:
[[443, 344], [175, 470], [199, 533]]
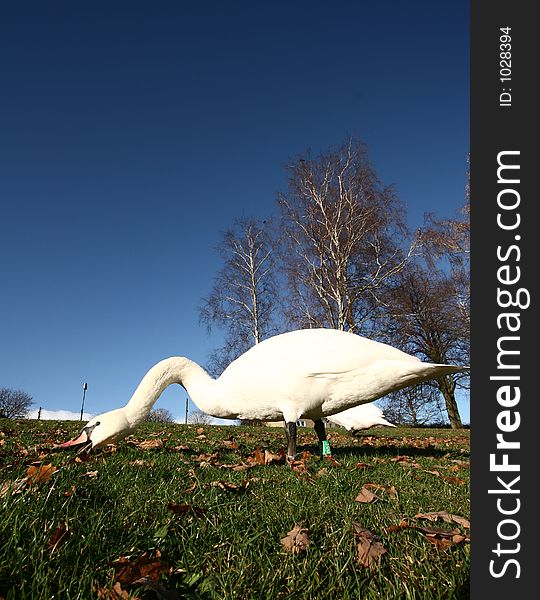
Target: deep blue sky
[[133, 133]]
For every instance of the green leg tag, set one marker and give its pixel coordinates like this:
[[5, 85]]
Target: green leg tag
[[325, 448]]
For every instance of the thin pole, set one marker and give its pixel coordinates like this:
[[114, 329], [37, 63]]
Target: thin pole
[[84, 387], [186, 409]]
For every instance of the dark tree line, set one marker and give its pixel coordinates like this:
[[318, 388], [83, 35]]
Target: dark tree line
[[339, 255]]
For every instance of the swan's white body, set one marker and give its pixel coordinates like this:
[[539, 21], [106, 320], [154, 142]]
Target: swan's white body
[[360, 417], [309, 373]]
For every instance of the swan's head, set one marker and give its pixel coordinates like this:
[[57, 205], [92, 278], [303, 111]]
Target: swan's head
[[103, 429]]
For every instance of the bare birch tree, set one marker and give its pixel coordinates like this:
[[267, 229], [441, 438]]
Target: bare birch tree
[[243, 298], [343, 239]]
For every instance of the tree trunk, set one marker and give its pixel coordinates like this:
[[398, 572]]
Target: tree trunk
[[448, 388]]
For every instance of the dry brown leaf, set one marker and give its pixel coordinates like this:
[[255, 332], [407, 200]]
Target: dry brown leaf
[[257, 457], [207, 460], [127, 571], [200, 430], [90, 474], [115, 593], [445, 516], [16, 487], [230, 444], [366, 496], [297, 540], [191, 488], [230, 486], [182, 448], [442, 538], [392, 491], [58, 537], [300, 469], [456, 480], [150, 444], [238, 467], [401, 525], [369, 548], [271, 458], [441, 542], [37, 475], [363, 465]]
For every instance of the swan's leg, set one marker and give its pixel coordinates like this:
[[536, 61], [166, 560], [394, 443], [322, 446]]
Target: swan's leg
[[324, 444], [290, 430]]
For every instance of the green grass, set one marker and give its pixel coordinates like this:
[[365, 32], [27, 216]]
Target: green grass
[[232, 550]]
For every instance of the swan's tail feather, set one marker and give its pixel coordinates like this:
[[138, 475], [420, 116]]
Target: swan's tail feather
[[437, 371]]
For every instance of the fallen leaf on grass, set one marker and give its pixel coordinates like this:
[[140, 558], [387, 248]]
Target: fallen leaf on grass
[[229, 444], [369, 547], [363, 465], [297, 540], [456, 480], [144, 571], [150, 444], [366, 496], [442, 538], [392, 491], [265, 457], [230, 486], [15, 487], [37, 475], [115, 593], [182, 448], [90, 474], [127, 571], [58, 537], [207, 460], [142, 463], [272, 458], [238, 467], [445, 516]]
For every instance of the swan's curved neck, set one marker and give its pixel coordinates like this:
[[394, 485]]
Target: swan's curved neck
[[193, 378]]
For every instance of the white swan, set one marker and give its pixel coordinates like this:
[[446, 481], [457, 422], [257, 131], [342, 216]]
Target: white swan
[[359, 417], [308, 373]]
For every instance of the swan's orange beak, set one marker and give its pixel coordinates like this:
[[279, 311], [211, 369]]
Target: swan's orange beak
[[83, 440], [80, 439]]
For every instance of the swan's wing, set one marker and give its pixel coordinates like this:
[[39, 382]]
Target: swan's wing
[[312, 353]]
